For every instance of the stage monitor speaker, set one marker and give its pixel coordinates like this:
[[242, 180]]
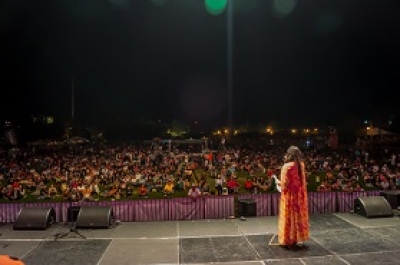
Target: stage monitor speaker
[[393, 198], [35, 218], [373, 206], [94, 217], [247, 207]]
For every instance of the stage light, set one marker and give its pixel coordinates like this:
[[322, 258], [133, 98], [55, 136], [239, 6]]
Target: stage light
[[216, 7]]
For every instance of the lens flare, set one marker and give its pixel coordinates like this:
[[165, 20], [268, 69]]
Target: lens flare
[[283, 8], [216, 7]]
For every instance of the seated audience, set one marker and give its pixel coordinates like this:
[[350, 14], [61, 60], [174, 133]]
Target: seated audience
[[87, 193], [248, 185], [205, 189], [168, 188], [233, 185], [143, 191], [194, 192], [129, 191], [52, 191]]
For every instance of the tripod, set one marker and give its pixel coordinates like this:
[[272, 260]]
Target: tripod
[[72, 226]]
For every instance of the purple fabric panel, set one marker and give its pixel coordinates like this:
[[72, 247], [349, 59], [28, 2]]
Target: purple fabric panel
[[219, 207], [346, 200], [57, 208], [123, 211], [64, 211], [275, 199], [322, 202], [186, 209], [263, 203], [9, 212], [151, 210], [92, 203], [374, 193], [210, 207]]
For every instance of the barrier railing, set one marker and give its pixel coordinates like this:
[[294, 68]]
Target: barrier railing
[[207, 207]]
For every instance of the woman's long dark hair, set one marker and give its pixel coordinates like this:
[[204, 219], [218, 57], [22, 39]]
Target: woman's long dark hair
[[293, 154]]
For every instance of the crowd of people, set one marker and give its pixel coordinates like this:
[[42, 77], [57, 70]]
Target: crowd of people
[[91, 172]]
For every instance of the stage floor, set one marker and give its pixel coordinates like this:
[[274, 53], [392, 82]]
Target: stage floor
[[343, 238]]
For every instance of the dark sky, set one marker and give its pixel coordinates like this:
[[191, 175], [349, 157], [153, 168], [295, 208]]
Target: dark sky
[[133, 59]]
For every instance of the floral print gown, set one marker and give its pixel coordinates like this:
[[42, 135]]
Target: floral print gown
[[293, 222]]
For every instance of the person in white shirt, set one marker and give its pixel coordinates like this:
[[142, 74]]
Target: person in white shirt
[[218, 184], [194, 192]]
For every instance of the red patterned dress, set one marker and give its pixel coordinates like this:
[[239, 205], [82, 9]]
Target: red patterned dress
[[293, 222]]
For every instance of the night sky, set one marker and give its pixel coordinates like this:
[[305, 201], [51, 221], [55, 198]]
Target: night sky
[[315, 63]]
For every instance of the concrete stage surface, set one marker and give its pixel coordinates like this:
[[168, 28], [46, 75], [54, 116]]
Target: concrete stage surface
[[343, 238]]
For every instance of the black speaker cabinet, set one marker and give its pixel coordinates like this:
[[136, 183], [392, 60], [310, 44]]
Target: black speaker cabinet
[[374, 206], [95, 217], [247, 207], [393, 198], [35, 218]]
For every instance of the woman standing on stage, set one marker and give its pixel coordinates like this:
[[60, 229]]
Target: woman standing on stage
[[293, 222]]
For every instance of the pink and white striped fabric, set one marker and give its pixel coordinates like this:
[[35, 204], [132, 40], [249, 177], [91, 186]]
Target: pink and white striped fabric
[[219, 207], [346, 200], [9, 212], [209, 207], [186, 209], [151, 210], [322, 202]]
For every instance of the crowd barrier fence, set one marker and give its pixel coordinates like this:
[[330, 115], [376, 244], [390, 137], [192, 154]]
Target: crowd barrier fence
[[207, 207]]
